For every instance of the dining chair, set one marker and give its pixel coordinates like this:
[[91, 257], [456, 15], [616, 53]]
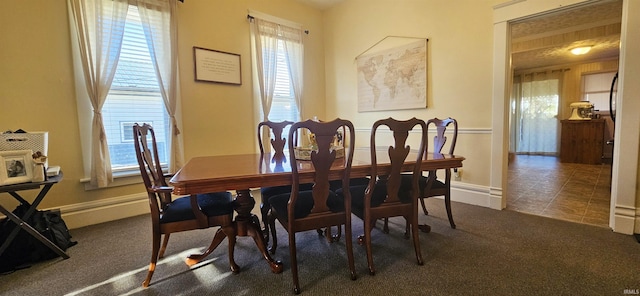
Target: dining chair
[[391, 195], [335, 185], [171, 214], [275, 131], [303, 210], [278, 142], [430, 185]]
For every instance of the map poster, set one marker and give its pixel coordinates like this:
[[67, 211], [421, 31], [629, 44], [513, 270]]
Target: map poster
[[393, 79]]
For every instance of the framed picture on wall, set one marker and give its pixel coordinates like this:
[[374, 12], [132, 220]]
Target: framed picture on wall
[[394, 78], [16, 167], [216, 66]]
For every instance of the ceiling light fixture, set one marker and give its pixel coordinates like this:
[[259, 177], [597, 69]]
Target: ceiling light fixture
[[581, 50]]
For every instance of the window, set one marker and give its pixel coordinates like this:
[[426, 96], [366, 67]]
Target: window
[[279, 44], [126, 128], [134, 97], [596, 88], [284, 105], [534, 111]]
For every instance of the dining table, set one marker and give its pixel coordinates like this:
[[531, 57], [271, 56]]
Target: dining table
[[243, 172]]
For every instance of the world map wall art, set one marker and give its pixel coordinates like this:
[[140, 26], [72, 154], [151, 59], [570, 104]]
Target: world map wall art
[[393, 79]]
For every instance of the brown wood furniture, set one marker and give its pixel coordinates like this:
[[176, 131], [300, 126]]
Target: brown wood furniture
[[317, 207], [430, 186], [244, 171], [581, 141], [390, 193], [20, 221], [168, 215], [277, 143]]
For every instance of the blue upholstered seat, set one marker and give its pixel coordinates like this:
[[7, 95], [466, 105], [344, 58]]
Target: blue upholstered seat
[[422, 182], [304, 204], [212, 204], [378, 196], [337, 184]]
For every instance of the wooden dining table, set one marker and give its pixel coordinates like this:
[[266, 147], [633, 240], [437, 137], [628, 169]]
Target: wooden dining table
[[243, 172]]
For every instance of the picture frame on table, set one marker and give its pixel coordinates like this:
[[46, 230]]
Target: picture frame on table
[[16, 167]]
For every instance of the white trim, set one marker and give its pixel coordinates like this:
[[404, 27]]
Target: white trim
[[473, 194], [500, 112], [501, 5], [624, 191], [104, 210], [625, 219], [124, 178]]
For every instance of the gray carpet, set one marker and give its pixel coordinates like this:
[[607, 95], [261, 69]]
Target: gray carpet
[[490, 253]]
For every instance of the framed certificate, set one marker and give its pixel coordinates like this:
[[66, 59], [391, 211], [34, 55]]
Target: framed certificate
[[216, 66]]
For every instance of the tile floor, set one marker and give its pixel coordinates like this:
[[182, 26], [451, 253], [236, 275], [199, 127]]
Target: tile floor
[[541, 185]]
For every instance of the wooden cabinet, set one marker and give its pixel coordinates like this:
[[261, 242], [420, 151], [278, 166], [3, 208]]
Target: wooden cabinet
[[582, 141]]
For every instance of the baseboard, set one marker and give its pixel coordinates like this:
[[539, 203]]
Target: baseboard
[[474, 195], [625, 220], [111, 209]]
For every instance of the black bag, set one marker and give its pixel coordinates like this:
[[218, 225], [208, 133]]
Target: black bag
[[26, 249]]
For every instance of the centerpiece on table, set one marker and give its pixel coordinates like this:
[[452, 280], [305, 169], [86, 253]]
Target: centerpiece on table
[[304, 152]]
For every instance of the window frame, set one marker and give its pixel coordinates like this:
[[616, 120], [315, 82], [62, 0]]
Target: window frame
[[584, 95]]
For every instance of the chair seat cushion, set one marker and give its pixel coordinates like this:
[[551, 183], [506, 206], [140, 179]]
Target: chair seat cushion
[[422, 182], [304, 204], [212, 204], [378, 196], [337, 184], [268, 192]]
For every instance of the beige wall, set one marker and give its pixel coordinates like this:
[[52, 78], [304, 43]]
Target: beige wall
[[460, 50], [224, 115], [37, 90]]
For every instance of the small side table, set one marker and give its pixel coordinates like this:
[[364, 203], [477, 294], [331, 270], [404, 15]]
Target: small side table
[[20, 221]]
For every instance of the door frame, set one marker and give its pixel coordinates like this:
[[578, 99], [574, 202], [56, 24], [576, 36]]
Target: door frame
[[624, 211]]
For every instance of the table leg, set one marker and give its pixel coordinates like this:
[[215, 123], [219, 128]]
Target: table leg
[[249, 225]]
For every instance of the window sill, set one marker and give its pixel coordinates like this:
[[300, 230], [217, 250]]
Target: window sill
[[119, 179]]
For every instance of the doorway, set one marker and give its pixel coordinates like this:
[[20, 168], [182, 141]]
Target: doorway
[[537, 182]]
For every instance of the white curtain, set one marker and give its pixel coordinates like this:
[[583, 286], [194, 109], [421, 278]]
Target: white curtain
[[294, 51], [265, 37], [265, 51], [100, 27], [534, 113], [159, 20]]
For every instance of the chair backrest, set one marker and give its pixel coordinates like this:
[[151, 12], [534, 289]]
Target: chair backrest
[[322, 159], [150, 167], [278, 142], [398, 154], [440, 139]]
